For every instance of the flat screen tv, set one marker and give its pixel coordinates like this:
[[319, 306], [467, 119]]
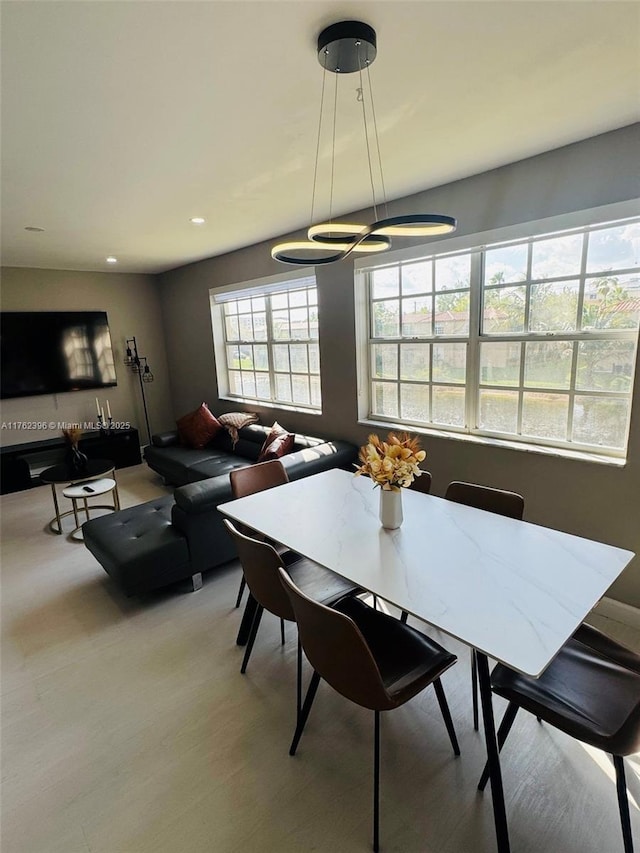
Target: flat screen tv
[[49, 352]]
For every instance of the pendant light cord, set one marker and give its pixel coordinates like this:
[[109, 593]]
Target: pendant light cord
[[375, 130], [333, 148], [366, 136], [315, 169]]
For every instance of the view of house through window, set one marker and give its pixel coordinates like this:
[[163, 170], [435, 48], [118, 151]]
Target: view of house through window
[[533, 340], [271, 348]]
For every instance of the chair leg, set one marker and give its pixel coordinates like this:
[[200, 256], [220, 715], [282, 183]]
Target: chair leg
[[376, 781], [623, 803], [252, 637], [474, 688], [299, 682], [243, 583], [404, 616], [503, 731], [304, 713], [375, 602], [282, 632], [446, 715]]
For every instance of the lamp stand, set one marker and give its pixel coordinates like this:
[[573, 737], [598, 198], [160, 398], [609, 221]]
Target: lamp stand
[[138, 364]]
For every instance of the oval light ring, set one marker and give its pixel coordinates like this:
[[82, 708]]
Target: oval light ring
[[350, 235], [415, 225]]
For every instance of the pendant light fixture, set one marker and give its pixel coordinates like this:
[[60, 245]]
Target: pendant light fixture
[[349, 47]]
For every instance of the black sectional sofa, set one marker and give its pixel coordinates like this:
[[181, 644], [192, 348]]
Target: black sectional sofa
[[182, 535]]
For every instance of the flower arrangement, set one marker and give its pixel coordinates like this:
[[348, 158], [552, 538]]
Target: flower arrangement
[[72, 435], [391, 464]]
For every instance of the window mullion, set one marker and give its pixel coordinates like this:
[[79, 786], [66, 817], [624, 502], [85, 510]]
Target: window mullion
[[270, 345], [472, 388]]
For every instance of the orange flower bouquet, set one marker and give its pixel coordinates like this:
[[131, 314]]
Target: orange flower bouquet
[[391, 464]]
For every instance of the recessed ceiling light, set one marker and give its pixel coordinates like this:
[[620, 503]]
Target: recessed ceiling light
[[111, 260], [33, 228], [197, 220]]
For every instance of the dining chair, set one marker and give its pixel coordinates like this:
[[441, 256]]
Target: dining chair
[[249, 480], [591, 691], [501, 502], [422, 483], [260, 563], [370, 658]]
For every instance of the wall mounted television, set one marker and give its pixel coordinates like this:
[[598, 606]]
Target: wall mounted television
[[50, 352]]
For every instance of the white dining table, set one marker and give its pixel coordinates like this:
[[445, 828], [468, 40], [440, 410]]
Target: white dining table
[[513, 590]]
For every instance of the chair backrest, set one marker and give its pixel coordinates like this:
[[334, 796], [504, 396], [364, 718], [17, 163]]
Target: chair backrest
[[260, 564], [257, 478], [337, 650], [422, 483], [499, 501]]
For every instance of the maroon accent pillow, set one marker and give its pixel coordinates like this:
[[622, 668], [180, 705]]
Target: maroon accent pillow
[[275, 431], [198, 428], [280, 446]]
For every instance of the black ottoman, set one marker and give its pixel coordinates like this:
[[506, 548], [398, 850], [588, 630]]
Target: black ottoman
[[140, 548]]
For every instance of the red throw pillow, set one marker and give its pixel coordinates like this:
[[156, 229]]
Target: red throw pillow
[[280, 446], [198, 428], [274, 432]]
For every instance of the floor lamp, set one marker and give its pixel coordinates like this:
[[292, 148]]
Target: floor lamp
[[138, 364]]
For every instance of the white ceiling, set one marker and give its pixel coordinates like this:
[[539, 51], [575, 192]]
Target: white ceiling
[[121, 120]]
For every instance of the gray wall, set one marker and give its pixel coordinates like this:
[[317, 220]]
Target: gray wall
[[585, 498], [133, 308]]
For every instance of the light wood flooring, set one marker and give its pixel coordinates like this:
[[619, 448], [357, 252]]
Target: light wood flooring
[[127, 728]]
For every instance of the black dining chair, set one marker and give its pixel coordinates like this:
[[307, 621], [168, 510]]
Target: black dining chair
[[501, 502], [591, 691], [370, 658], [260, 563], [422, 483]]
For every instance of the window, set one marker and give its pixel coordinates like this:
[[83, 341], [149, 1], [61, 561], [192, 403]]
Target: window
[[533, 340], [270, 351]]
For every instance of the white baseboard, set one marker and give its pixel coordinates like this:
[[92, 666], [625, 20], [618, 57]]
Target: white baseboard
[[618, 611]]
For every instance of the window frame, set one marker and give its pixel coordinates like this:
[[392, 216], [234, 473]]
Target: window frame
[[473, 381], [266, 288]]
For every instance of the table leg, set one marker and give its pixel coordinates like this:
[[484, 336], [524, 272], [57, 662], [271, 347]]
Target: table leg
[[247, 620], [116, 495], [55, 503], [75, 511], [495, 774]]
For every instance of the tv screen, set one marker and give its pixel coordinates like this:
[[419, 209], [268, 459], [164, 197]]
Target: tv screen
[[48, 352]]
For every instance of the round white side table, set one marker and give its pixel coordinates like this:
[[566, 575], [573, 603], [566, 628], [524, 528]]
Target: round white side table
[[91, 489]]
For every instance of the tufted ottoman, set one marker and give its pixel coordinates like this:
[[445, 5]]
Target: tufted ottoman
[[140, 548]]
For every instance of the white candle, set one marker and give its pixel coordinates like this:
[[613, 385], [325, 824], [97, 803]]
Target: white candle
[[102, 414], [97, 406], [108, 409]]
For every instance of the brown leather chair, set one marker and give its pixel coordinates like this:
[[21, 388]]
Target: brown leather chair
[[370, 658], [502, 502], [248, 481], [591, 691], [260, 563]]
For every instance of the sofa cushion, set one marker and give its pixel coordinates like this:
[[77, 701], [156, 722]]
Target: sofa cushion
[[139, 547], [196, 429], [279, 446], [215, 466]]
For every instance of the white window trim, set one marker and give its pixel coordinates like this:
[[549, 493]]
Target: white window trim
[[478, 242], [261, 286]]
